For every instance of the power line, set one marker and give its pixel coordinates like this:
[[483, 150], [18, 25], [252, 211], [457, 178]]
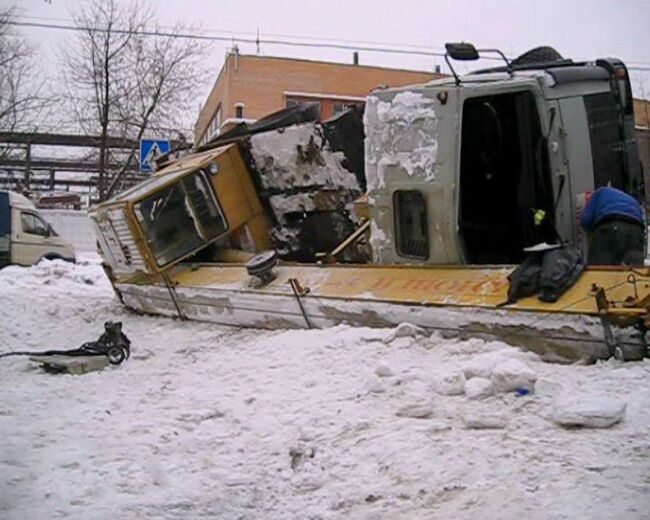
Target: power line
[[643, 66], [236, 39], [274, 35]]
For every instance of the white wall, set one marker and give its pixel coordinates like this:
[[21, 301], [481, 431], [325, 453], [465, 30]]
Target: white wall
[[73, 226]]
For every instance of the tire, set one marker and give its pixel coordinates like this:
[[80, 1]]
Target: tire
[[542, 54]]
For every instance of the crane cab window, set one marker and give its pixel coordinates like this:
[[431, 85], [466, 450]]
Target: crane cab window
[[181, 218], [411, 230]]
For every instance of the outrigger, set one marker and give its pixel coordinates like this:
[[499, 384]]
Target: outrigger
[[290, 222]]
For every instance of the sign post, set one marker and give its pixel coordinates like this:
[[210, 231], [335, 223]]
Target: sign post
[[150, 150]]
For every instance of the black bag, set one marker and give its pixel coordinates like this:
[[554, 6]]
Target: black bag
[[524, 280], [549, 272], [560, 270]]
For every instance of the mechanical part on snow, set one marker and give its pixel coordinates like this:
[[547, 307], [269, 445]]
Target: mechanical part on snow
[[261, 267], [113, 344], [417, 212], [631, 312]]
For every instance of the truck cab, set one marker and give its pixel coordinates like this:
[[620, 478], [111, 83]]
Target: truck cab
[[475, 169], [25, 236], [458, 171]]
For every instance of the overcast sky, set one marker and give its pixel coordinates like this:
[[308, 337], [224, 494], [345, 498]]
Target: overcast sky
[[580, 29]]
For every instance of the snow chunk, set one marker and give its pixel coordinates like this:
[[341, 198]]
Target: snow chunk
[[415, 410], [478, 388], [483, 364], [589, 411], [452, 383], [384, 370], [483, 421], [512, 375], [374, 385], [377, 238], [405, 330], [546, 386]]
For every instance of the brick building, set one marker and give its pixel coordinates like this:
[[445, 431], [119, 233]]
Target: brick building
[[250, 87]]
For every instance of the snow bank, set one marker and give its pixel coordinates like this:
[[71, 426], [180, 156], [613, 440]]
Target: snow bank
[[213, 422]]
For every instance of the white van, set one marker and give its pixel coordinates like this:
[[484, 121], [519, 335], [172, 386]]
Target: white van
[[25, 236]]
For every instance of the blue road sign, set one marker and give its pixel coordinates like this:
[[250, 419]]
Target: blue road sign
[[150, 149]]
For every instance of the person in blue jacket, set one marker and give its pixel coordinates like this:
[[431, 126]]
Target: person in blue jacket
[[615, 225]]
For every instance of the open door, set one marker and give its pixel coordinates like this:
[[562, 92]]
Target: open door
[[506, 197]]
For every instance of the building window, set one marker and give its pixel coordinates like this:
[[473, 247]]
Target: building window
[[214, 127], [411, 229], [338, 107], [239, 110], [294, 102]]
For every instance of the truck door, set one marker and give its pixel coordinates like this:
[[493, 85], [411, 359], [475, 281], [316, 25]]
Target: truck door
[[506, 198], [30, 239]]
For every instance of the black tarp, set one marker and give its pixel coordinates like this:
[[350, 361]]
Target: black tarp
[[550, 273], [302, 113]]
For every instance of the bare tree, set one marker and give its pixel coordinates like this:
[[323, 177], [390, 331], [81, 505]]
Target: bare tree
[[126, 79], [21, 101]]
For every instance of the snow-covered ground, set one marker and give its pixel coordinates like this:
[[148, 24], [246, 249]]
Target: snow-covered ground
[[209, 422]]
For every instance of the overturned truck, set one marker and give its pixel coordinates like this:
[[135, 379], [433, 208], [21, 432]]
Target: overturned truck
[[413, 208]]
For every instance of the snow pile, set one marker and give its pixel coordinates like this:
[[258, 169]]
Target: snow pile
[[294, 157], [213, 422]]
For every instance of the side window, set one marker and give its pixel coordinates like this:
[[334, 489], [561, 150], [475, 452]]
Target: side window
[[33, 225], [412, 235], [606, 146]]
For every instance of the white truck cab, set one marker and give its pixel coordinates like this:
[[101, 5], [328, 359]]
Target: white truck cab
[[25, 236]]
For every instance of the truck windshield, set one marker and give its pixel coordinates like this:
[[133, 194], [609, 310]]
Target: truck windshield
[[180, 218]]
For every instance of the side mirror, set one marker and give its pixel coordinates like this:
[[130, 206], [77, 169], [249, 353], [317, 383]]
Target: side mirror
[[462, 51]]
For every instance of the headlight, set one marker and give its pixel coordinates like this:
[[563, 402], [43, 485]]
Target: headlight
[[213, 168]]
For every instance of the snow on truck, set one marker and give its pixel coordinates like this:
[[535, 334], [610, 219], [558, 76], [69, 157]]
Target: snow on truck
[[415, 212], [25, 236]]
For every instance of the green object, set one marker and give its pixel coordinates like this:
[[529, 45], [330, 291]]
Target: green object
[[538, 216]]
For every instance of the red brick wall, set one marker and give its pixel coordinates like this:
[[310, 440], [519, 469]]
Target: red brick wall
[[260, 83]]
